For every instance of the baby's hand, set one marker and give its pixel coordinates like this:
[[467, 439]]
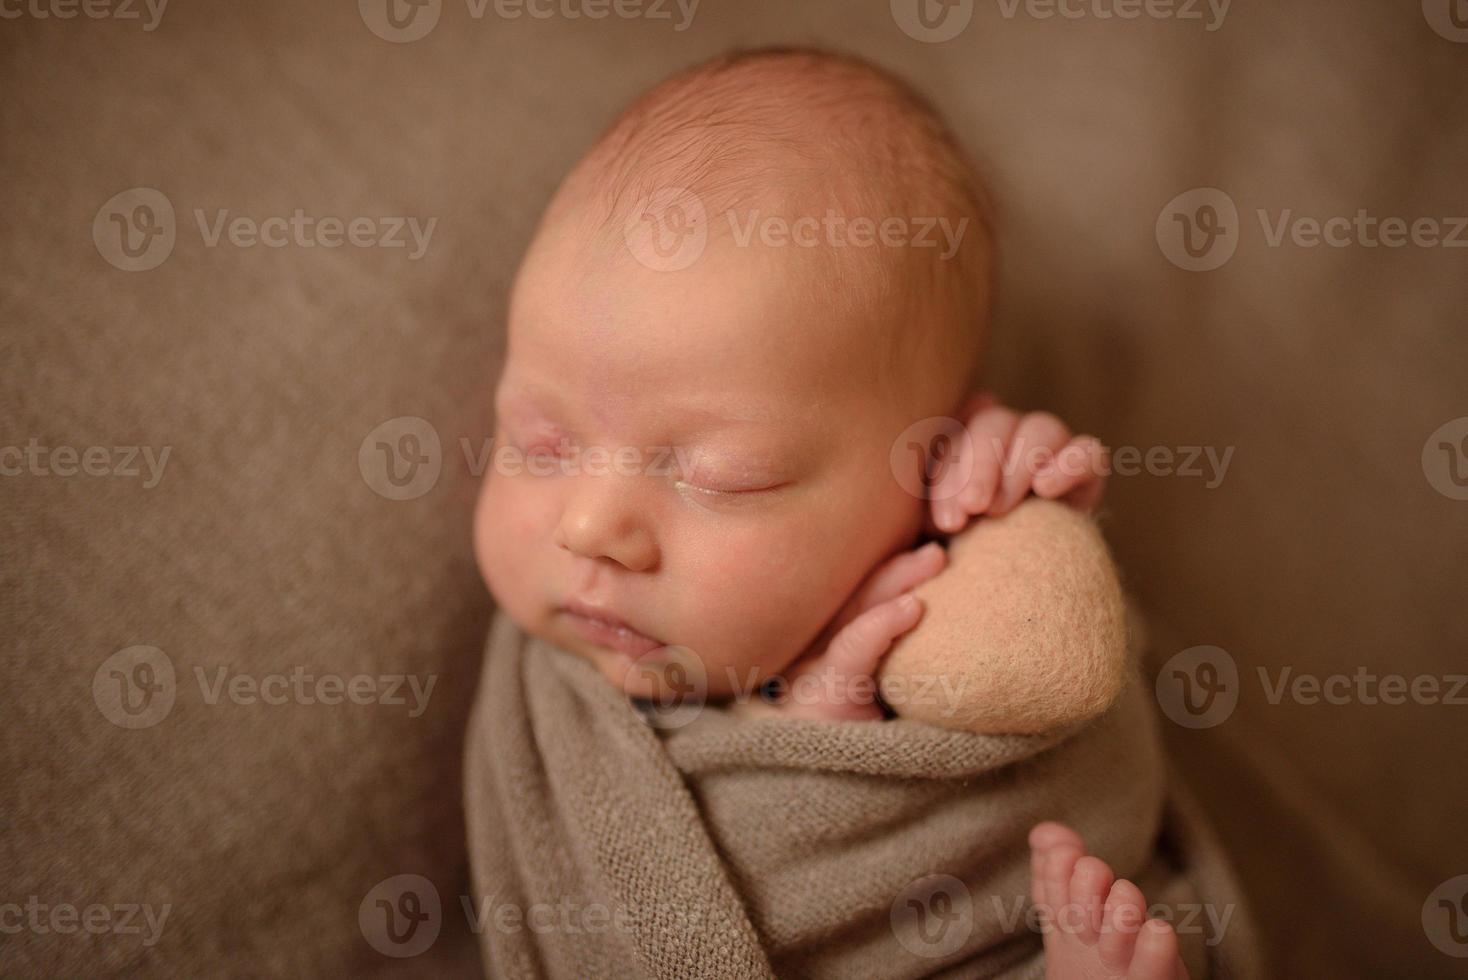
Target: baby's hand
[[1012, 455], [836, 679]]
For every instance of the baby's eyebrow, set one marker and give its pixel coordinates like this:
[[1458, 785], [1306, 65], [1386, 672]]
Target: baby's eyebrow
[[750, 416], [526, 397]]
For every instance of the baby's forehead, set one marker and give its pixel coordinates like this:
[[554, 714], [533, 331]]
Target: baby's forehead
[[804, 190], [739, 300], [749, 326]]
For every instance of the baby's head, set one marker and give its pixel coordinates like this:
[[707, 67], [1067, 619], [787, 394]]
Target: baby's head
[[764, 272]]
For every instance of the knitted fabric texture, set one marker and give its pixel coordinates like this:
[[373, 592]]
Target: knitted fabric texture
[[752, 848]]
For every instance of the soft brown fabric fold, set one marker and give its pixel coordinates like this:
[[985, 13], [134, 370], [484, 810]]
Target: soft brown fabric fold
[[739, 847]]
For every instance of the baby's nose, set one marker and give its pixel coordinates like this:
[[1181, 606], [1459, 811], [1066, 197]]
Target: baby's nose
[[602, 520]]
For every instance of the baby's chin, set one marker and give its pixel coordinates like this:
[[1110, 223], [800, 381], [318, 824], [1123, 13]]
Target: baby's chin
[[670, 676], [667, 676]]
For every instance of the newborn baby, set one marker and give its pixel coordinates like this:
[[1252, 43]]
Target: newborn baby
[[731, 298]]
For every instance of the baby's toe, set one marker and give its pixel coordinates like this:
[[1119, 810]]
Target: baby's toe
[[1055, 849], [1049, 834], [1059, 868], [1156, 953], [1123, 919], [1089, 886]]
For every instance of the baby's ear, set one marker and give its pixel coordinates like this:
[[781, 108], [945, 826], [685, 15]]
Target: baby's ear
[[1025, 630]]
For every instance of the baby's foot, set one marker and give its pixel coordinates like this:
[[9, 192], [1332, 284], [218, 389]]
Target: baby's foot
[[1095, 927]]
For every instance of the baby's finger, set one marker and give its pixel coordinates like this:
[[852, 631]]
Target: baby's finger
[[861, 644], [902, 573], [1037, 438], [990, 432], [840, 683], [898, 574], [1077, 473], [948, 512]]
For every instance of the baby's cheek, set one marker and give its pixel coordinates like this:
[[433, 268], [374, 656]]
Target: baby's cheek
[[504, 532], [742, 575], [489, 541], [760, 599]]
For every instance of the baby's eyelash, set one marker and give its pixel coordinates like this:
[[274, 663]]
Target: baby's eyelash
[[723, 493], [711, 491]]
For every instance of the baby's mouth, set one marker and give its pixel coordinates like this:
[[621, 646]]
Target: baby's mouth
[[605, 629]]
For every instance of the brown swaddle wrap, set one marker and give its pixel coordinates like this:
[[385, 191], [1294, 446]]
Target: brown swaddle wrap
[[739, 847]]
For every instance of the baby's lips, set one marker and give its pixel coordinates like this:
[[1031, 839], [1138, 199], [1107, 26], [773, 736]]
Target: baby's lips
[[611, 632]]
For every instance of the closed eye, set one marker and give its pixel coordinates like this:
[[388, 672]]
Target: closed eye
[[727, 492]]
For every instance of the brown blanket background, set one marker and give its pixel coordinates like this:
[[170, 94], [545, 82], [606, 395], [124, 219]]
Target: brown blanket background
[[264, 549]]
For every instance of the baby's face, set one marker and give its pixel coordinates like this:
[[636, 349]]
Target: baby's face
[[710, 457]]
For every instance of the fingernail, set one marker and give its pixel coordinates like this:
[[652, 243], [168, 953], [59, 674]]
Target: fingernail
[[908, 602]]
